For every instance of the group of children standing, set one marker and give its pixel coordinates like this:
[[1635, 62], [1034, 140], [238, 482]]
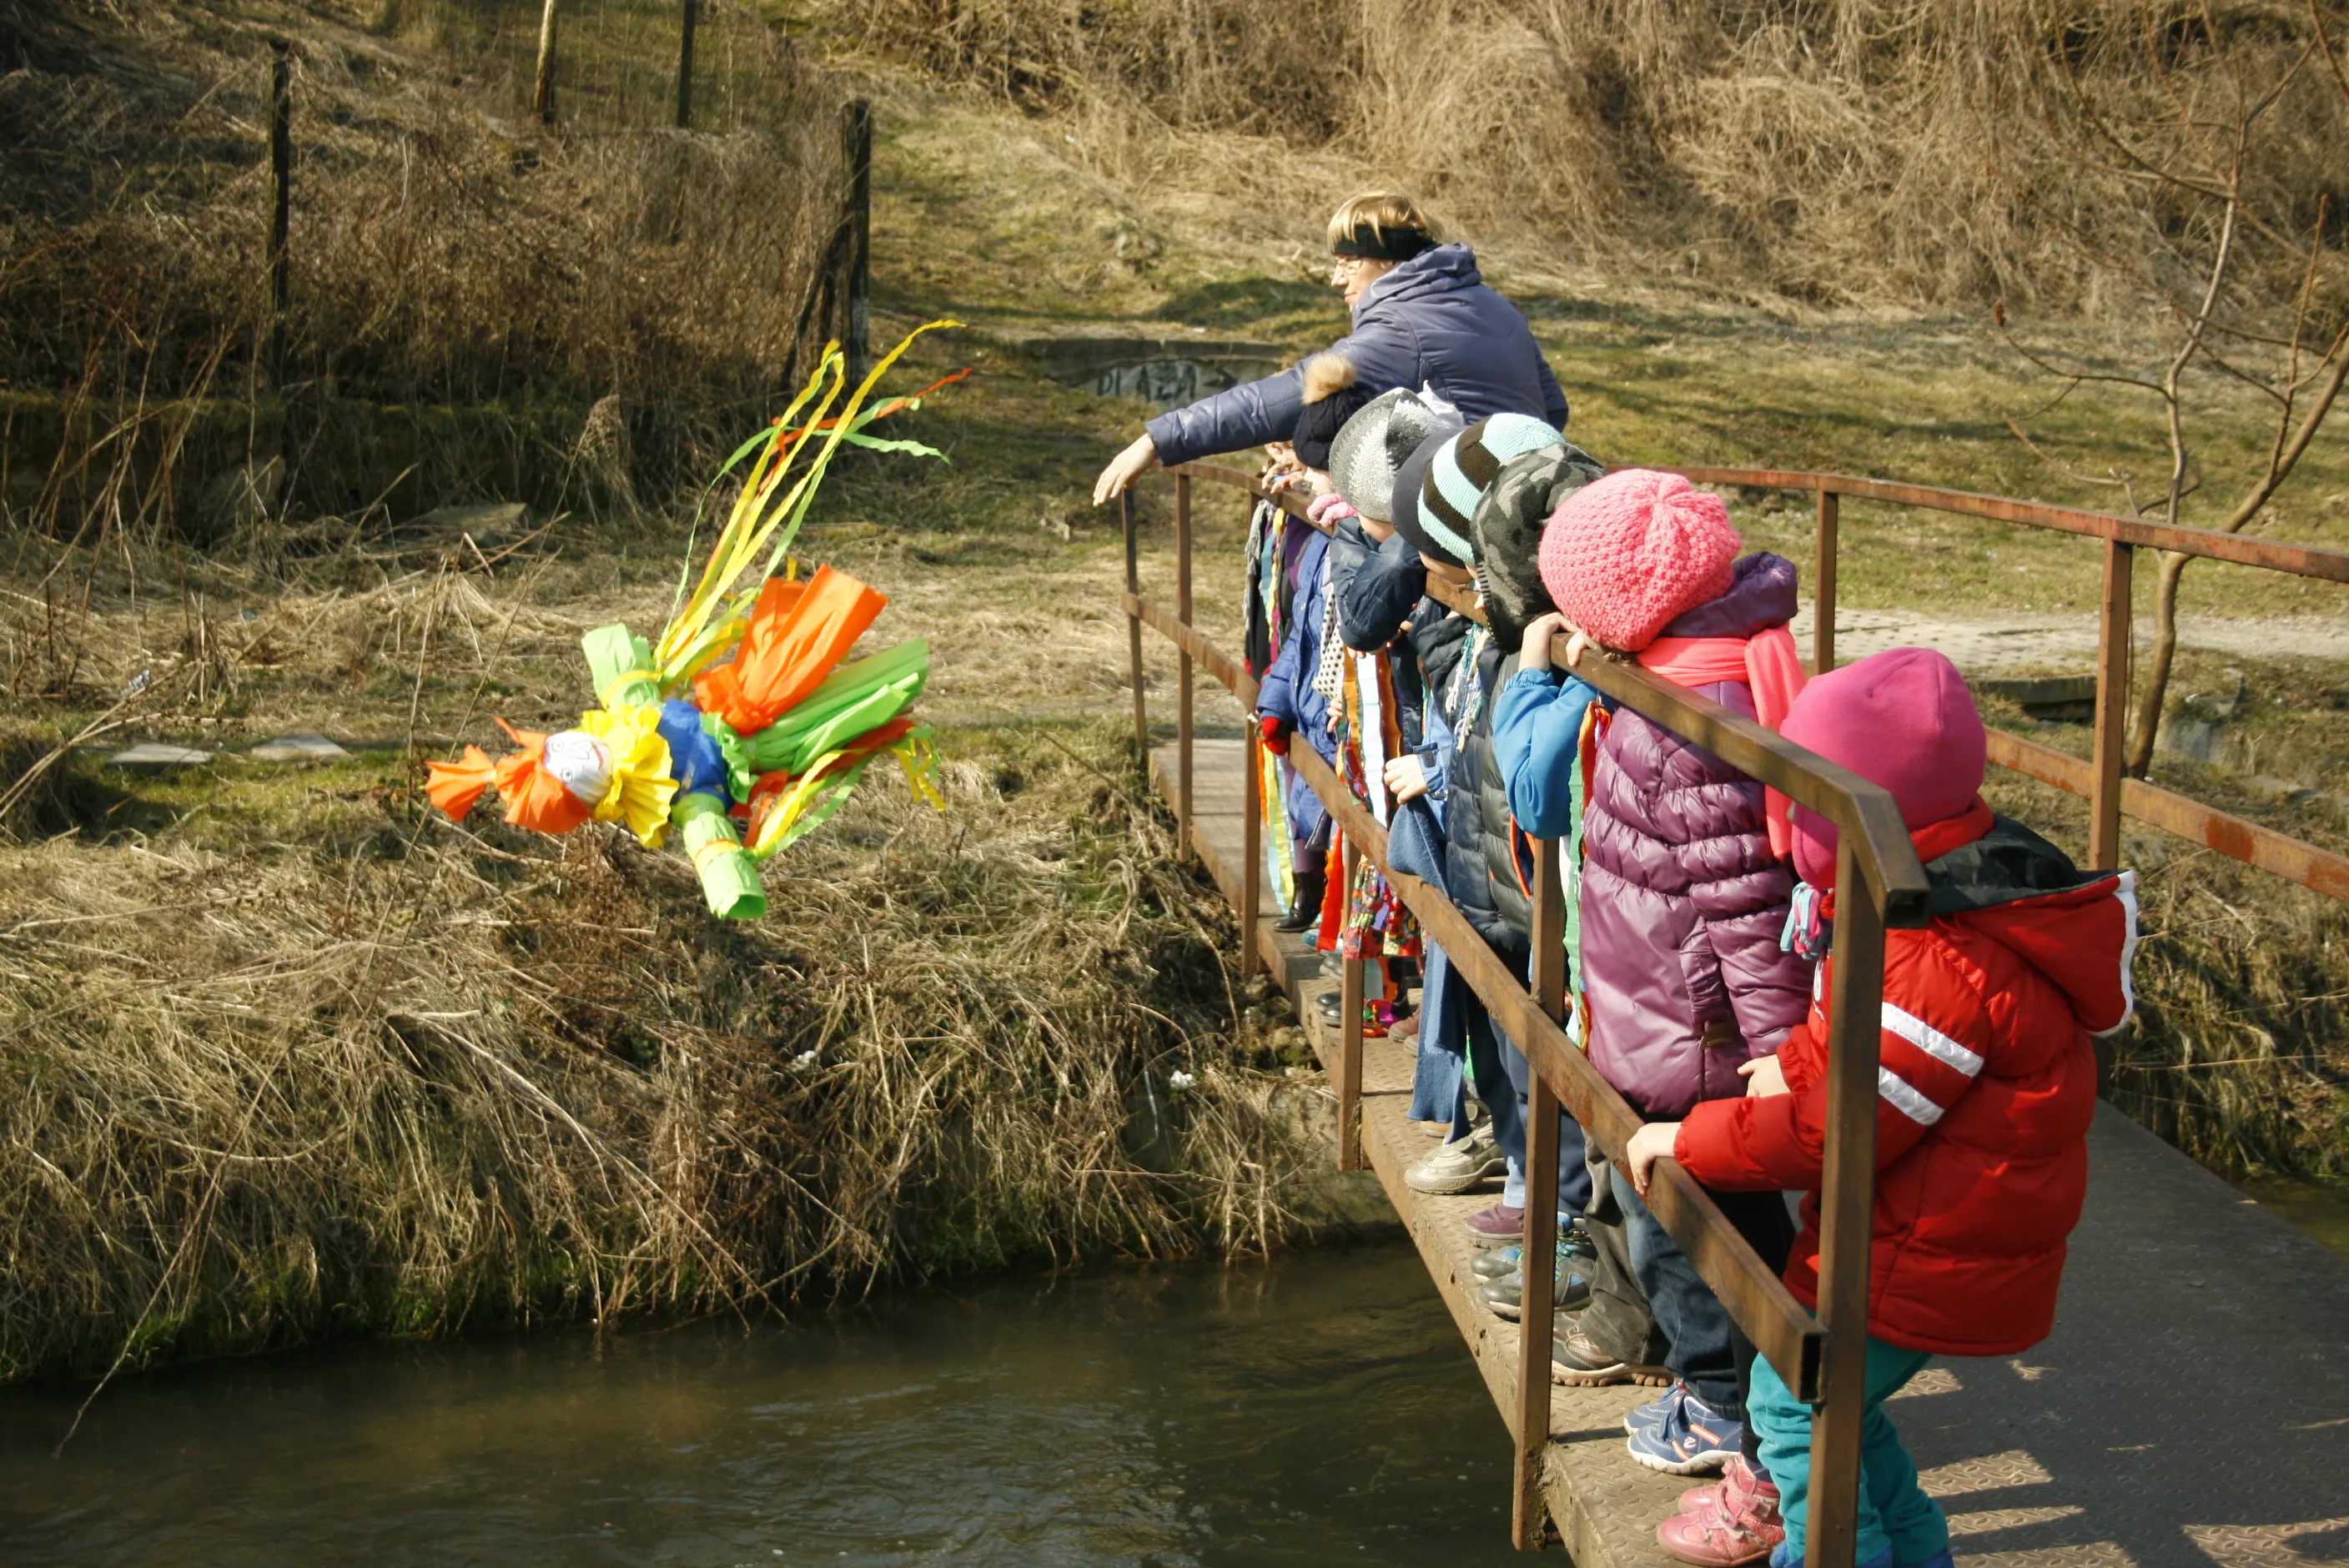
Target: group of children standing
[[1700, 906]]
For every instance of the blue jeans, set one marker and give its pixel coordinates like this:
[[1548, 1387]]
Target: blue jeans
[[1895, 1514], [1573, 1168], [1707, 1352], [1439, 1090]]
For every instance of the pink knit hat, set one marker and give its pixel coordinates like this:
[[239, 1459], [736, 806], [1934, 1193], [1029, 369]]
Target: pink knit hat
[[1628, 554], [1902, 718]]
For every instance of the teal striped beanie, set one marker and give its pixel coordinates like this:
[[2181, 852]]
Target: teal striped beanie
[[1464, 469]]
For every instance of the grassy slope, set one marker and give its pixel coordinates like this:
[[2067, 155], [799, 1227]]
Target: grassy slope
[[997, 559]]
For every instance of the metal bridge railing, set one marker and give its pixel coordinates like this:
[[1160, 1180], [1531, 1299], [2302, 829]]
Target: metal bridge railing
[[1822, 1356]]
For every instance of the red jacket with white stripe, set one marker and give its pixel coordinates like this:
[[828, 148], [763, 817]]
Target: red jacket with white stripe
[[1986, 1088]]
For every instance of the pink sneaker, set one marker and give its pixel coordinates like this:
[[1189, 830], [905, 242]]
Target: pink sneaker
[[1740, 1524], [1498, 1226], [1738, 1484]]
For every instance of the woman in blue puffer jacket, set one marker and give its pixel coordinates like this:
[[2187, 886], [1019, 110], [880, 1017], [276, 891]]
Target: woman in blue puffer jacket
[[1422, 317]]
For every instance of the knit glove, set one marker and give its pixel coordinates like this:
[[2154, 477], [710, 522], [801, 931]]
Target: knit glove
[[1275, 732], [1328, 508]]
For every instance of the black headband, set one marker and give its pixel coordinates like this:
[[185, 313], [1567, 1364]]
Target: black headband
[[1392, 244]]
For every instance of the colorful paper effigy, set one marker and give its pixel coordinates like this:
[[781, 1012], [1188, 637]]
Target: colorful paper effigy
[[741, 756]]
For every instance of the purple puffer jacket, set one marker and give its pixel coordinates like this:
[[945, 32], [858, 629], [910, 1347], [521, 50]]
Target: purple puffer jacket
[[1682, 903]]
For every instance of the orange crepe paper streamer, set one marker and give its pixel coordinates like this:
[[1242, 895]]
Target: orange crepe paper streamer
[[799, 632], [455, 787], [534, 797]]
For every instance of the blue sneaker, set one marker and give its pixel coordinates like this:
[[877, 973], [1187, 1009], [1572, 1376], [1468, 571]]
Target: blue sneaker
[[1498, 1263], [1690, 1440], [1656, 1411]]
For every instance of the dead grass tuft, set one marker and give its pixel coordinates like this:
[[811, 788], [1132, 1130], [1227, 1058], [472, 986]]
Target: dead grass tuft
[[407, 1078]]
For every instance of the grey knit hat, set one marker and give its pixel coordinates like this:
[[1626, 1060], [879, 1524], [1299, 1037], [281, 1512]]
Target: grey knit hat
[[1508, 524], [1373, 444]]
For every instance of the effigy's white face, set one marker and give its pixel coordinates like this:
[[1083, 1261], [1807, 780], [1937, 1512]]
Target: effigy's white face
[[581, 763]]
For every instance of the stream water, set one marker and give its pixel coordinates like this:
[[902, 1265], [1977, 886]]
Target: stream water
[[1317, 1409]]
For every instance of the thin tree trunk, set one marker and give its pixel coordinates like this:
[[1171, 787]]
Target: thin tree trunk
[[2154, 690], [541, 93]]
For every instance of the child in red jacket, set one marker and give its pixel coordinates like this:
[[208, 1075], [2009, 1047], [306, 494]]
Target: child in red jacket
[[1987, 1085]]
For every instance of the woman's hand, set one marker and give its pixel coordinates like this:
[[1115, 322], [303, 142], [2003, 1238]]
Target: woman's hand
[[1406, 780], [1124, 469], [1649, 1144], [1763, 1077], [1534, 655]]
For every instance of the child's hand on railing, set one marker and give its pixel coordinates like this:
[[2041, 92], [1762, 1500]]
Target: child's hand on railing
[[1763, 1077], [1275, 732], [1405, 778], [1649, 1144], [1534, 655]]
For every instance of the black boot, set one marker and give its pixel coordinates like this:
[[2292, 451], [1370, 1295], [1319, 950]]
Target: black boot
[[1305, 914]]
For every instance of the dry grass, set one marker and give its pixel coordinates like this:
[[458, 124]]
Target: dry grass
[[400, 1076], [1857, 149], [445, 251]]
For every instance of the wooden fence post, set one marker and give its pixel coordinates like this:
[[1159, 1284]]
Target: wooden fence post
[[1535, 1323], [2113, 631], [281, 208], [857, 136], [542, 91], [684, 67], [1823, 583], [1185, 832]]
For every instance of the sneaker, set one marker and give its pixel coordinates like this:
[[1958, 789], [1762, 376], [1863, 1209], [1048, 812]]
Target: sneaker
[[1504, 1297], [1498, 1263], [1576, 1363], [1498, 1226], [1459, 1167], [1404, 1030], [1656, 1412], [1691, 1441], [1739, 1484], [1742, 1527]]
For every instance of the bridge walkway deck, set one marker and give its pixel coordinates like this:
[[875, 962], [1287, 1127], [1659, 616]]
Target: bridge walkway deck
[[2191, 1408]]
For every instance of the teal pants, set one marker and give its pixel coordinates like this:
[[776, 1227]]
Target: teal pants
[[1894, 1511]]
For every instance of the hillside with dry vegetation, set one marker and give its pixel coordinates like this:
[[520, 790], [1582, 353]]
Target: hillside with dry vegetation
[[284, 1055]]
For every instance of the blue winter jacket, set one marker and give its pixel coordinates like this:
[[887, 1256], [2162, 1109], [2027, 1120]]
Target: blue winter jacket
[[1537, 741], [1287, 694], [1430, 322]]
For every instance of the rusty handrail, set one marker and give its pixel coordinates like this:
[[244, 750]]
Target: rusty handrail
[[2276, 555], [1873, 855]]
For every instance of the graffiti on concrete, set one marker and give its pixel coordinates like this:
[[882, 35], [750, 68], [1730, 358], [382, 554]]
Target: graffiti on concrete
[[1169, 383]]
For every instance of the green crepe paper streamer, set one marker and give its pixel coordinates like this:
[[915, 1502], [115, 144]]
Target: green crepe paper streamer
[[612, 652], [836, 792], [741, 772], [729, 882], [906, 667], [844, 726], [884, 444]]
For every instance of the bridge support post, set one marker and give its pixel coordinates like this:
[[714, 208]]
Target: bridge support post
[[1847, 1214], [1183, 718], [1350, 1035], [1823, 583], [1535, 1323], [1133, 629], [1251, 847], [2111, 705]]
